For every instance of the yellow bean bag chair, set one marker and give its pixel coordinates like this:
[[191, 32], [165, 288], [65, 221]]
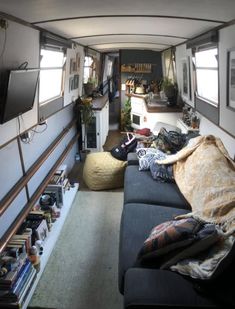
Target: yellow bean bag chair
[[102, 171]]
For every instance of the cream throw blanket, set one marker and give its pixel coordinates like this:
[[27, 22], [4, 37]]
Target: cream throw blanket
[[205, 174]]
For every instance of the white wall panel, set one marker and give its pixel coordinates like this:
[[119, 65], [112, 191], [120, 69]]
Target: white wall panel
[[41, 141], [48, 164], [12, 212], [11, 170], [207, 127]]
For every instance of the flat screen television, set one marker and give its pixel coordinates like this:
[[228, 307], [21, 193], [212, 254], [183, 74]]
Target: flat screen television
[[19, 93]]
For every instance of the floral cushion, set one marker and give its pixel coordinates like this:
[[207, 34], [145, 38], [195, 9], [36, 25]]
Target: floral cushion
[[147, 156]]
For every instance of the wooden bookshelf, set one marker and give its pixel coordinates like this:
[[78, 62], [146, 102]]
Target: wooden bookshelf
[[137, 68]]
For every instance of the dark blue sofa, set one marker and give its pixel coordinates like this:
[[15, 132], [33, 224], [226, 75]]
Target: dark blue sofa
[[148, 203]]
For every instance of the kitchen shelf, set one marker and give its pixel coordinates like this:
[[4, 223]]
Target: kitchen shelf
[[137, 68]]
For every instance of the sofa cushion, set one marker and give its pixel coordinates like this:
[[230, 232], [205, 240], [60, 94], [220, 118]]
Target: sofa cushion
[[155, 288], [140, 188], [136, 223], [169, 236], [132, 159]]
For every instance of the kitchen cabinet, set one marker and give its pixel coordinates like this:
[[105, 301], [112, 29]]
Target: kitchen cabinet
[[97, 130]]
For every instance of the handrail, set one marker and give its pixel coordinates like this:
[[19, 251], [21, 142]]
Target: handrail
[[15, 190], [24, 212]]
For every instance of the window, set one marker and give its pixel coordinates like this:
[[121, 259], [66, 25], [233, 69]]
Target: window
[[89, 69], [51, 75], [206, 65]]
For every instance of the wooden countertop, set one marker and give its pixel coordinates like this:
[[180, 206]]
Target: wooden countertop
[[157, 109], [163, 109], [99, 103]]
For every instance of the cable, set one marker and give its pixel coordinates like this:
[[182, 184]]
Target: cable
[[44, 124], [25, 64]]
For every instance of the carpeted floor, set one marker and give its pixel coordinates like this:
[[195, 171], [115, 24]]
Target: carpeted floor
[[82, 270]]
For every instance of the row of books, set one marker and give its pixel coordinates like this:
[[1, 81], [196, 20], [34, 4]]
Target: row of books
[[19, 277], [20, 261]]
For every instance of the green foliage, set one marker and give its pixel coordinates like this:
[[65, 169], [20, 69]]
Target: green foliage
[[166, 82], [86, 113], [169, 87], [126, 115]]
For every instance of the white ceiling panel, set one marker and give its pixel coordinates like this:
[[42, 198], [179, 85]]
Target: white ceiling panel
[[120, 45], [91, 23], [110, 38], [41, 10], [163, 26]]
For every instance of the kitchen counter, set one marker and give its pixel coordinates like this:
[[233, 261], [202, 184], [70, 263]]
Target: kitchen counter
[[145, 112], [99, 102], [156, 105]]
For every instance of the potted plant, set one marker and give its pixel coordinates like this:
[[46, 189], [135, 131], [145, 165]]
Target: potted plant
[[126, 116], [170, 90], [90, 86]]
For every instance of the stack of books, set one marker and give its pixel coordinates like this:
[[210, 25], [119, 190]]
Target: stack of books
[[16, 283]]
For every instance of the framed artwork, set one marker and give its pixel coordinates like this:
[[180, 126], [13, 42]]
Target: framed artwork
[[78, 61], [186, 79], [73, 82], [231, 80], [73, 66], [76, 81]]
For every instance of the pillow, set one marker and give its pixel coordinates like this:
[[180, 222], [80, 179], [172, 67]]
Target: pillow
[[204, 239], [208, 265], [167, 237], [142, 151], [146, 160], [162, 172], [219, 284]]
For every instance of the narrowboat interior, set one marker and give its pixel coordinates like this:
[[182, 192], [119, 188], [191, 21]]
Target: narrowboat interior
[[117, 154]]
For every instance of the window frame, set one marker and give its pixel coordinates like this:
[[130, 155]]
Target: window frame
[[92, 67], [204, 99], [63, 67]]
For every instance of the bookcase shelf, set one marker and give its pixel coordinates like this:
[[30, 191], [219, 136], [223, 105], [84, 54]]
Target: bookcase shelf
[[52, 237], [136, 68]]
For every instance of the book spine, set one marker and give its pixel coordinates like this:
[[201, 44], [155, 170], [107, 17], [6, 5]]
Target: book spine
[[22, 278]]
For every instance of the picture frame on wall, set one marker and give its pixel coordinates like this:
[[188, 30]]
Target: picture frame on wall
[[186, 81], [78, 61], [73, 66], [185, 89], [231, 80]]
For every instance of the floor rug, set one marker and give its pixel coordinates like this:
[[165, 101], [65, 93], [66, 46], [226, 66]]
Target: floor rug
[[82, 270]]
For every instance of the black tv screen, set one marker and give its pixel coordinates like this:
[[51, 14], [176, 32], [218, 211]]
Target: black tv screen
[[20, 93]]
